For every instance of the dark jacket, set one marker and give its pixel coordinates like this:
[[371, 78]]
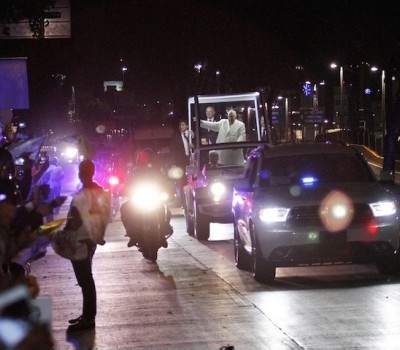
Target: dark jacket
[[179, 157]]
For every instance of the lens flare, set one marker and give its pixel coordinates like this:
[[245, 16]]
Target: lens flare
[[175, 173], [100, 129], [336, 211]]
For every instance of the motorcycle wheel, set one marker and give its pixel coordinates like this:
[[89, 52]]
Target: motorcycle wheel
[[114, 209], [150, 253]]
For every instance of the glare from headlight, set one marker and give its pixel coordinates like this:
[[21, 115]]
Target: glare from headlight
[[383, 208], [270, 215], [145, 197], [217, 190], [70, 152]]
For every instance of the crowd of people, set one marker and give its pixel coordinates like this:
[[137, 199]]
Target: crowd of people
[[19, 239], [25, 237]]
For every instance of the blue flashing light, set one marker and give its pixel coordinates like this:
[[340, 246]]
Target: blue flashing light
[[309, 180]]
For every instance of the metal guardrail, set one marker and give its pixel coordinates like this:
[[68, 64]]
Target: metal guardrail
[[375, 160]]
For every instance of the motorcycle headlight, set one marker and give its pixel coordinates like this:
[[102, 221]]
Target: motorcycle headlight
[[270, 215], [146, 197], [385, 208], [218, 191]]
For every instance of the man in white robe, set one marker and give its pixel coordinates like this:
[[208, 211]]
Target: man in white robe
[[229, 130]]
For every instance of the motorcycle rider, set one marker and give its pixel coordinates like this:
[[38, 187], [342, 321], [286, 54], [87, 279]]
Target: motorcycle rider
[[145, 168]]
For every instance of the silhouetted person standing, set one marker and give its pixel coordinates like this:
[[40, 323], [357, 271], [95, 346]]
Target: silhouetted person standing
[[88, 213]]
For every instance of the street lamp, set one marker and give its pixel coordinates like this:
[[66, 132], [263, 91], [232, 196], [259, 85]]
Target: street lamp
[[383, 97], [198, 67], [333, 66], [217, 75], [287, 127], [124, 69]]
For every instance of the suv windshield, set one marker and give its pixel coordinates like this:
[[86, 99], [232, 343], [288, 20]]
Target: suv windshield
[[313, 168]]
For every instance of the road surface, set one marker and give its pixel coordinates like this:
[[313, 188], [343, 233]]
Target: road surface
[[195, 298]]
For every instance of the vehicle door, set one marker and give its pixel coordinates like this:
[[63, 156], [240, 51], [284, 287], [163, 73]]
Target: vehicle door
[[243, 198]]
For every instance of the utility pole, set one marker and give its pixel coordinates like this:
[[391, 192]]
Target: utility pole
[[392, 106]]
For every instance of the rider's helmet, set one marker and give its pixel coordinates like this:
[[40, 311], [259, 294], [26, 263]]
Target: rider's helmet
[[144, 158]]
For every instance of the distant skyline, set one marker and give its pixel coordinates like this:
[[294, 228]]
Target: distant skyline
[[251, 42]]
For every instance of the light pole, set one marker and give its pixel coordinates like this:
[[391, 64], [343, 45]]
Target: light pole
[[217, 75], [333, 66], [383, 102], [198, 67], [383, 97], [124, 69], [287, 126]]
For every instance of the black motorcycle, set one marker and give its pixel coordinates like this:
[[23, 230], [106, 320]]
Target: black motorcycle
[[146, 218]]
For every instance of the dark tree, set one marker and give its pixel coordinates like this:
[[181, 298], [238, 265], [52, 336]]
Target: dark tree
[[14, 11]]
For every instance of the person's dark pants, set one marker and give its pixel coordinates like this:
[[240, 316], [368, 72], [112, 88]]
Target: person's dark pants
[[84, 277]]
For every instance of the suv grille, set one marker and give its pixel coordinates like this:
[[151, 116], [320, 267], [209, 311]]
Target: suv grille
[[301, 216]]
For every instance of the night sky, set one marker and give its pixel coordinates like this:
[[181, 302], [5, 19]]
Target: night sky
[[252, 42]]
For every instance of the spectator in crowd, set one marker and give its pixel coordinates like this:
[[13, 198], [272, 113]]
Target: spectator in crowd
[[37, 171], [18, 242], [53, 176]]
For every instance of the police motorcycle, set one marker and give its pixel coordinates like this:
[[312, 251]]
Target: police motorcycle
[[145, 214]]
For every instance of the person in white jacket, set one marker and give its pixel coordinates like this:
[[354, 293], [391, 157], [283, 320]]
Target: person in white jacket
[[229, 130]]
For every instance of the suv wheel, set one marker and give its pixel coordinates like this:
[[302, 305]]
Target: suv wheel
[[388, 264], [201, 225], [189, 223], [243, 260], [263, 271]]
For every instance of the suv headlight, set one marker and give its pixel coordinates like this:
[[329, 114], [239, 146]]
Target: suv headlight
[[270, 215], [385, 208], [218, 190]]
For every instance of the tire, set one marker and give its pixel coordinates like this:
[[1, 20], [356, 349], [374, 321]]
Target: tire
[[189, 223], [388, 264], [201, 225], [242, 259], [114, 208], [150, 252], [263, 271]]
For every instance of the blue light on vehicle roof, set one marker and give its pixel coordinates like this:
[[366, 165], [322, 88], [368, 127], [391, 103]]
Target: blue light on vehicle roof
[[309, 180]]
